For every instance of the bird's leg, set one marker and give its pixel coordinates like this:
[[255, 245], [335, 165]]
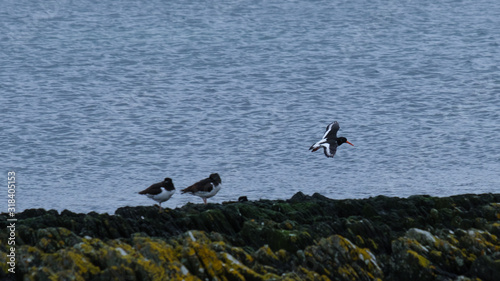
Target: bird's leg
[[159, 205], [205, 200]]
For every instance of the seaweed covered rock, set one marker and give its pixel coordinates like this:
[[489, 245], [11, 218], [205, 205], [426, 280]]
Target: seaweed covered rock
[[340, 259], [424, 256], [303, 238]]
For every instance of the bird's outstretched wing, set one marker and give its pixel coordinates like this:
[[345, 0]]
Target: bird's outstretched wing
[[331, 130], [330, 149]]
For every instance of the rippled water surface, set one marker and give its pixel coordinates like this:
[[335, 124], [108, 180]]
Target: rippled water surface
[[100, 100]]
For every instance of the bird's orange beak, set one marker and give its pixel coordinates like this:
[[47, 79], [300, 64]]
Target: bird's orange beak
[[349, 143]]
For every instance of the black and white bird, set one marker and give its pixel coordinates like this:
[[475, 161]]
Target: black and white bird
[[205, 188], [330, 142], [160, 191]]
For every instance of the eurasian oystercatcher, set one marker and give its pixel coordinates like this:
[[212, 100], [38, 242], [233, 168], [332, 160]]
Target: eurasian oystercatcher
[[329, 142], [160, 191], [205, 188]]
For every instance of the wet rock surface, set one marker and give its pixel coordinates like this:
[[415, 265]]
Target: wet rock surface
[[303, 238]]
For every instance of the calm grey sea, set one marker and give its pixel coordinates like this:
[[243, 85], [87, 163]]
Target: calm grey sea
[[100, 99]]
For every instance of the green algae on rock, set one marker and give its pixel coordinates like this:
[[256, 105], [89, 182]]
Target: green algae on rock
[[304, 238]]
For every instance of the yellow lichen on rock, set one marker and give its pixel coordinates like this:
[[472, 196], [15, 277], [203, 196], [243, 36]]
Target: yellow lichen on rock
[[306, 274], [337, 256], [423, 262], [153, 270], [155, 249], [64, 262], [208, 258], [265, 255]]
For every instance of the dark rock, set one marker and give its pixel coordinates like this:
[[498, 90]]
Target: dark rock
[[299, 197], [486, 268]]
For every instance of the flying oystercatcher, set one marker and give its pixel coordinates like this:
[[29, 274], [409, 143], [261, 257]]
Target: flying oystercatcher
[[160, 191], [329, 142], [205, 188]]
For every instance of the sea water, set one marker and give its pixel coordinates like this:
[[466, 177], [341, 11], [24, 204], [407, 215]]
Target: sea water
[[99, 100]]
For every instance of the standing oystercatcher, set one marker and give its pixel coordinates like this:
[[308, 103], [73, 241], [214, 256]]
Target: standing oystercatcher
[[160, 191], [329, 142], [205, 188]]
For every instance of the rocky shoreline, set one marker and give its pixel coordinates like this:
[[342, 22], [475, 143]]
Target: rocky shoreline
[[303, 238]]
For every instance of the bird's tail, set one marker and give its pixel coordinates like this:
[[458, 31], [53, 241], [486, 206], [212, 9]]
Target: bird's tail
[[314, 147]]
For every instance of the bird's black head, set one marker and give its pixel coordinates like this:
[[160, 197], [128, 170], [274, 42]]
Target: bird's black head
[[342, 140], [168, 184], [215, 178]]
